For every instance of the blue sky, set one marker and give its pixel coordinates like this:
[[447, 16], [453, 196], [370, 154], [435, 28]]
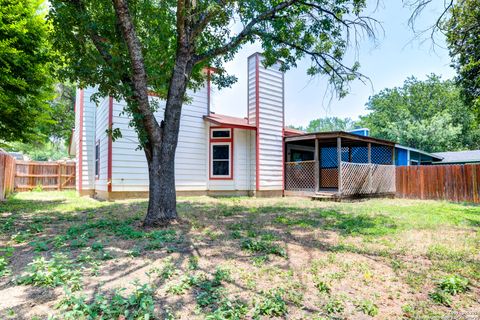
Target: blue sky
[[396, 56]]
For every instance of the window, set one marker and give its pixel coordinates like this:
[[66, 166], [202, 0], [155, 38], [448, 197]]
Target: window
[[221, 133], [97, 159], [221, 160], [221, 153]]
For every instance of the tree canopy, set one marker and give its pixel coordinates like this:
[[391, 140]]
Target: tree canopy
[[26, 58], [462, 30], [328, 124], [428, 115]]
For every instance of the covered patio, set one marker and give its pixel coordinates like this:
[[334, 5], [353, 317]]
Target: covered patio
[[338, 164]]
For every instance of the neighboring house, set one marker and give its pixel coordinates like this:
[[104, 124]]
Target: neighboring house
[[458, 157]]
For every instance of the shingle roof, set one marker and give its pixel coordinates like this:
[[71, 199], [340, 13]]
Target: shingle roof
[[459, 156], [221, 119], [224, 120]]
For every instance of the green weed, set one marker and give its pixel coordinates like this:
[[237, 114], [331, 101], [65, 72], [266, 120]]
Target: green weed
[[229, 310], [138, 305], [368, 307], [52, 273], [334, 306], [263, 246], [271, 304]]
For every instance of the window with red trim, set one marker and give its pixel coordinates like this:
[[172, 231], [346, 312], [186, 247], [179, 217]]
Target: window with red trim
[[221, 153]]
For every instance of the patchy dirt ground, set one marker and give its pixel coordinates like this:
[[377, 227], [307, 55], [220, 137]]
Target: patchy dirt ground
[[66, 257]]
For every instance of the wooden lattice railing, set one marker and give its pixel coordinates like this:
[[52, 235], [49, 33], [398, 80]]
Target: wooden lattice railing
[[300, 176], [364, 178]]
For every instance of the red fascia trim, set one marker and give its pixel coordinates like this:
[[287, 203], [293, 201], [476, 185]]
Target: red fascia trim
[[232, 148], [257, 122], [80, 142], [110, 143], [236, 126], [283, 131], [209, 87]]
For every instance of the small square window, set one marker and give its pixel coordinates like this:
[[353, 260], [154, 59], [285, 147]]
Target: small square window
[[221, 134]]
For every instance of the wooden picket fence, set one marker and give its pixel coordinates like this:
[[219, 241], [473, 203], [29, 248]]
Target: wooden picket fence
[[7, 174], [44, 175], [458, 183]]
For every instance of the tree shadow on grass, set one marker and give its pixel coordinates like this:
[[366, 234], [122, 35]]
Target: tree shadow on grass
[[197, 216]]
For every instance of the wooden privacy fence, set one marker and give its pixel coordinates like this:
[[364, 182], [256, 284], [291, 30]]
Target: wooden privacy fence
[[7, 174], [458, 183], [44, 175]]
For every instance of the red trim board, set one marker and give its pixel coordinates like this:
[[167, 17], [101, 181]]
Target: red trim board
[[110, 143], [80, 142], [257, 121]]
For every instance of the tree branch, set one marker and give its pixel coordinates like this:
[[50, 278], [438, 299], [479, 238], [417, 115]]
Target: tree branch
[[139, 74], [247, 31]]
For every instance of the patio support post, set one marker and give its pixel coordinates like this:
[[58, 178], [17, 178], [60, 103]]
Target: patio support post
[[369, 167], [339, 162], [317, 167]]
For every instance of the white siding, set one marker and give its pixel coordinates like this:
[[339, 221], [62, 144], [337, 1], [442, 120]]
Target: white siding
[[129, 166], [101, 183], [270, 122], [87, 140]]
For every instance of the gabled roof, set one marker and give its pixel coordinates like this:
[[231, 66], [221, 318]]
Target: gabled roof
[[459, 156]]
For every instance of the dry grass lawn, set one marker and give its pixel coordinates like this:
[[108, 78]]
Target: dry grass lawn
[[64, 257]]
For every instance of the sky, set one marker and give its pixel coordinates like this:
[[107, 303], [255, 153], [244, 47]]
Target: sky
[[396, 55]]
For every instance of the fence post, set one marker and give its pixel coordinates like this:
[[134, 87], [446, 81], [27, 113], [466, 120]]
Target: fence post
[[317, 167], [370, 167], [59, 176], [474, 186]]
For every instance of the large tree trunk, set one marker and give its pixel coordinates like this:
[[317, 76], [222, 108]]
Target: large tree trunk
[[161, 166]]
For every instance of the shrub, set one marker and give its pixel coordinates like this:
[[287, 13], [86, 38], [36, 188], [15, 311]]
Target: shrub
[[52, 273]]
